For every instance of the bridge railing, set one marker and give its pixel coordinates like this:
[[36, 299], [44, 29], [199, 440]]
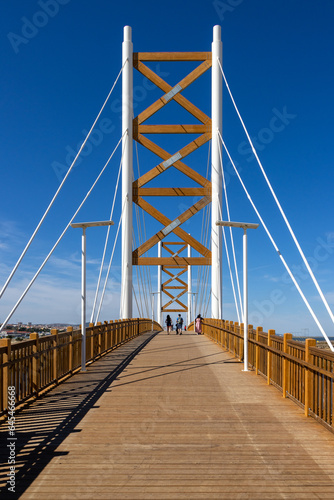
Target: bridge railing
[[35, 365], [301, 371]]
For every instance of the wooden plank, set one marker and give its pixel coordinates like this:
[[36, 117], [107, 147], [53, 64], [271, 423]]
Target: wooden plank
[[185, 309], [167, 243], [184, 83], [178, 251], [171, 56], [192, 109], [147, 113], [36, 378], [179, 98], [152, 146], [173, 129], [144, 247], [195, 74], [172, 296], [175, 287], [183, 235], [175, 299], [167, 285], [192, 146], [153, 77], [177, 302], [183, 283], [165, 261], [154, 172], [159, 419], [173, 266], [174, 276], [166, 269], [199, 205], [5, 380]]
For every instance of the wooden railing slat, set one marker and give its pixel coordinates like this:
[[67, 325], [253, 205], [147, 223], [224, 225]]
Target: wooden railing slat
[[39, 363], [304, 373]]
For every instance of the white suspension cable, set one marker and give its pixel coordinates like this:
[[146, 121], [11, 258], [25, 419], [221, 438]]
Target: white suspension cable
[[203, 240], [207, 305], [229, 265], [135, 296], [231, 236], [279, 253], [140, 295], [200, 270], [139, 270], [107, 237], [207, 268], [202, 275], [147, 268], [279, 206], [58, 190], [59, 239], [109, 266], [141, 282], [146, 283]]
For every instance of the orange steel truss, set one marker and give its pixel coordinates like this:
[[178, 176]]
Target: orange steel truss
[[181, 288], [173, 159]]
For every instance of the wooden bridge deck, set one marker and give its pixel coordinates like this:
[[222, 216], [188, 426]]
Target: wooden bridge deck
[[180, 421]]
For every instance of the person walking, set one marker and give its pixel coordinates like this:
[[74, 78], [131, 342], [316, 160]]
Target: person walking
[[168, 324], [198, 324], [179, 323]]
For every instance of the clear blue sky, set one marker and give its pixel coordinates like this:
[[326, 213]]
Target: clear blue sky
[[57, 69]]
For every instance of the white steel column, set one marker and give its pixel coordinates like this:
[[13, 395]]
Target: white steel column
[[216, 177], [159, 301], [189, 291], [152, 305], [127, 173], [245, 286], [83, 300]]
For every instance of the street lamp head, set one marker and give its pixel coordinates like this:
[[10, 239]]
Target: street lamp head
[[243, 225], [92, 224]]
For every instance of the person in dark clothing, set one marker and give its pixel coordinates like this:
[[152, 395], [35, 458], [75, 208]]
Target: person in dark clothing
[[169, 324], [179, 323]]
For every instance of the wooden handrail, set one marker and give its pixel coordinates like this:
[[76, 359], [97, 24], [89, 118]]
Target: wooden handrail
[[304, 373], [38, 364]]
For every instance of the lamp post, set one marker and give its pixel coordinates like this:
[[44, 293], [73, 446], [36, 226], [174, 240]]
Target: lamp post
[[244, 226], [159, 301], [84, 225]]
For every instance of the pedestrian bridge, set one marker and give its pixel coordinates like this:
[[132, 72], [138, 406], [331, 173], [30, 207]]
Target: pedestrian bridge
[[173, 417]]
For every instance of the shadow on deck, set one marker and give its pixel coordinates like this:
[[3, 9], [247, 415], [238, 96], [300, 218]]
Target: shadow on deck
[[42, 426]]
